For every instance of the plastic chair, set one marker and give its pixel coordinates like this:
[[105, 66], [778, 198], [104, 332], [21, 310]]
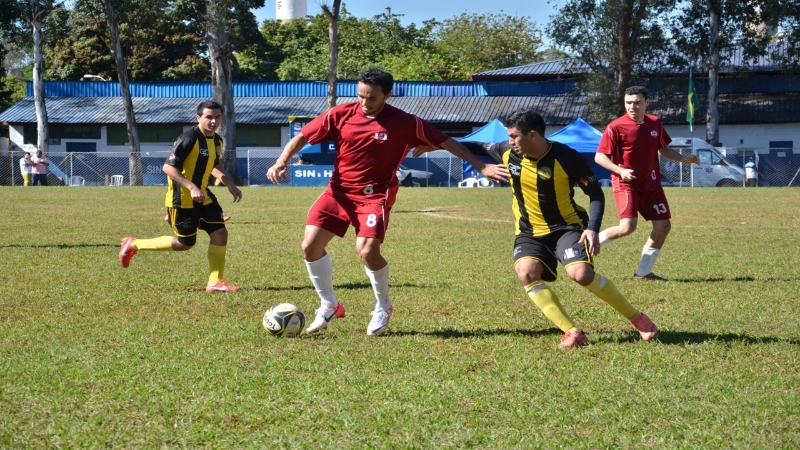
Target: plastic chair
[[468, 183], [485, 182], [116, 180], [77, 180]]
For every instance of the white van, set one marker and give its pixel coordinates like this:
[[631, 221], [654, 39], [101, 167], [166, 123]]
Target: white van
[[713, 170]]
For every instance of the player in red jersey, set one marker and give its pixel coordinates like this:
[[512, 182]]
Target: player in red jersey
[[629, 148], [372, 139]]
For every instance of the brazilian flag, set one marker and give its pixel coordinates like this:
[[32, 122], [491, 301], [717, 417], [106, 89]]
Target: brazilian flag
[[693, 103]]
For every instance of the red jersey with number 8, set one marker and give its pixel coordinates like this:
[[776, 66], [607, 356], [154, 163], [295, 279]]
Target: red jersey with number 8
[[635, 146], [369, 149]]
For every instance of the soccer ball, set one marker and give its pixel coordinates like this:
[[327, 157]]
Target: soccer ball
[[284, 319]]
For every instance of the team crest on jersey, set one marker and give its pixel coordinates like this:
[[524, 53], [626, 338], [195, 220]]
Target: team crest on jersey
[[545, 173], [654, 133], [514, 169], [381, 136], [203, 152]]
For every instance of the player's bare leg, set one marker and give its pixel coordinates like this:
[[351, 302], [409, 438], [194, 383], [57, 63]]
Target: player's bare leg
[[320, 271], [625, 227]]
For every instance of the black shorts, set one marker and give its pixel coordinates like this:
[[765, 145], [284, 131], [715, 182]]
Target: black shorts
[[186, 221], [549, 249]]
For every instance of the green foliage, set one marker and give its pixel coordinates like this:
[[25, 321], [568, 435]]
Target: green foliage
[[589, 30], [481, 42], [447, 51], [93, 355], [12, 90]]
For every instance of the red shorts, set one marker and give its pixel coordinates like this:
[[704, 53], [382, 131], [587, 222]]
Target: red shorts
[[335, 212], [651, 205]]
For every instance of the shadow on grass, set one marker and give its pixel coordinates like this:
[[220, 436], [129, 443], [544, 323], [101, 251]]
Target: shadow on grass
[[59, 246], [730, 279], [349, 286], [608, 336]]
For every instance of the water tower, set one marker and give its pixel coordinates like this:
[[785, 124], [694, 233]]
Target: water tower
[[286, 10]]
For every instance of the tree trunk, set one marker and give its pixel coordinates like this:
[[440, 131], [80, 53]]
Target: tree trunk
[[632, 14], [135, 176], [712, 113], [43, 143], [333, 39], [220, 52]]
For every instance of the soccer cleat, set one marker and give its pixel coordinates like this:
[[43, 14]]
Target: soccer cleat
[[649, 276], [221, 286], [324, 316], [126, 252], [646, 327], [379, 322], [573, 339]]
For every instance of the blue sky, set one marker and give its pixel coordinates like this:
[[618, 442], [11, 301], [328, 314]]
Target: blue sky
[[416, 11]]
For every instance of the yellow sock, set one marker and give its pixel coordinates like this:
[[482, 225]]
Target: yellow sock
[[159, 244], [548, 302], [216, 262], [604, 289]]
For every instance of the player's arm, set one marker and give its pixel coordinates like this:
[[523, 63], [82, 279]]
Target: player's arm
[[217, 173], [583, 175], [669, 153], [605, 162], [281, 167], [494, 172]]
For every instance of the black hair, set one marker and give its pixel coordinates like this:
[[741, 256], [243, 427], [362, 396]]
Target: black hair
[[208, 104], [637, 90], [525, 120], [377, 77]]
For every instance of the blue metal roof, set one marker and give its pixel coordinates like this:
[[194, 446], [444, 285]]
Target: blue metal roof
[[165, 89]]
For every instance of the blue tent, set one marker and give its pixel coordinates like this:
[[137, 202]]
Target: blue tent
[[584, 138], [493, 131]]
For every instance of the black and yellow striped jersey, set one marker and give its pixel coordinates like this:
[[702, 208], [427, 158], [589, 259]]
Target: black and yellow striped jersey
[[543, 189], [195, 155]]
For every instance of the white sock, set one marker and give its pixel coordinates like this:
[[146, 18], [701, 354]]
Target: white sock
[[649, 257], [603, 237], [321, 274], [380, 284]]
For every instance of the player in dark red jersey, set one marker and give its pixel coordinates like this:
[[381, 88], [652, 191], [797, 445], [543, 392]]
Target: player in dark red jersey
[[629, 148], [372, 139]]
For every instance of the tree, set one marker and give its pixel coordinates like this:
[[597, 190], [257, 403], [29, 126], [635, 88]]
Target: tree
[[33, 13], [617, 39], [332, 14], [127, 102], [475, 43], [704, 31], [436, 51], [159, 43], [220, 51]]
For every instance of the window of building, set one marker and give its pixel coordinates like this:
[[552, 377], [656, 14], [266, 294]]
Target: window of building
[[258, 135], [781, 144], [117, 134]]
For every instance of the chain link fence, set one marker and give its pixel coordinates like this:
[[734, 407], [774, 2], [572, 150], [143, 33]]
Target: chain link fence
[[771, 167], [741, 167], [88, 168]]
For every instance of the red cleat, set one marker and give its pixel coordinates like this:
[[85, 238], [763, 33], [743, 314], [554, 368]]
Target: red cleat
[[573, 339], [126, 252], [221, 286], [646, 327]]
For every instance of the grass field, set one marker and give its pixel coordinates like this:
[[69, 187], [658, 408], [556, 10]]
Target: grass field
[[93, 355]]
